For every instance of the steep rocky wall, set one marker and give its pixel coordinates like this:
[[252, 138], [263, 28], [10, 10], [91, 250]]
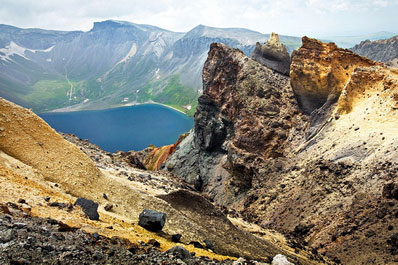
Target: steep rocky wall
[[379, 50], [247, 113]]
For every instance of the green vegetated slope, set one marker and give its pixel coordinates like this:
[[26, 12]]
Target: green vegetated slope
[[47, 95], [170, 92]]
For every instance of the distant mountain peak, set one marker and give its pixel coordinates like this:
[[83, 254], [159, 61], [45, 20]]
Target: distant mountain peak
[[106, 24], [110, 24]]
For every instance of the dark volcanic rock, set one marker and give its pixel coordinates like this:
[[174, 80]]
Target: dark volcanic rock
[[152, 220], [196, 244], [210, 128], [208, 244], [273, 54], [89, 207], [176, 238], [235, 122], [390, 191]]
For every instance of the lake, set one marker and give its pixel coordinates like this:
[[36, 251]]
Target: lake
[[125, 128]]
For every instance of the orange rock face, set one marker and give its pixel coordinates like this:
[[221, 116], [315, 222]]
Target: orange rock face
[[322, 69], [158, 155]]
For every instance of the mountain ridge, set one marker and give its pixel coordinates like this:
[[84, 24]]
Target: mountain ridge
[[112, 63], [378, 50]]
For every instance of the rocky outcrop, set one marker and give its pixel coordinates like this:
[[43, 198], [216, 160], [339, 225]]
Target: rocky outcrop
[[330, 183], [378, 50], [273, 54], [247, 113], [320, 71], [332, 194]]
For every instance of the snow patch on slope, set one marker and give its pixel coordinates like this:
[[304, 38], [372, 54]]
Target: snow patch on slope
[[13, 49]]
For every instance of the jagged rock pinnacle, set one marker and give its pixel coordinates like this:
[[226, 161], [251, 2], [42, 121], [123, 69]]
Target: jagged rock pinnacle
[[273, 54]]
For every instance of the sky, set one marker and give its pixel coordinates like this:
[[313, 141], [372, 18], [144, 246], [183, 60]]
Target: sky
[[315, 18]]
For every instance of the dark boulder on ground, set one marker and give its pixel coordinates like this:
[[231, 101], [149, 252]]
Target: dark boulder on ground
[[176, 238], [89, 207], [179, 252], [208, 244], [152, 220]]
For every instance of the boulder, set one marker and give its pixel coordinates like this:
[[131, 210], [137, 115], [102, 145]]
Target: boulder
[[89, 207], [179, 252], [208, 244], [280, 260], [152, 220], [176, 238], [8, 235]]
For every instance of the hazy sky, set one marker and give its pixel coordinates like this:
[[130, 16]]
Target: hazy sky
[[290, 17]]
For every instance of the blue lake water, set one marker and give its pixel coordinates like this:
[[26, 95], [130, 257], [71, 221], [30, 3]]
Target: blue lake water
[[125, 128]]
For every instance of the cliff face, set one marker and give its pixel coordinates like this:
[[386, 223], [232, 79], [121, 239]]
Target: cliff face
[[247, 114], [330, 183], [379, 50], [335, 194]]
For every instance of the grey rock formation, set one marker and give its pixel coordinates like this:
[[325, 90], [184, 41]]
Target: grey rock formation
[[378, 50], [273, 54], [244, 115], [393, 63]]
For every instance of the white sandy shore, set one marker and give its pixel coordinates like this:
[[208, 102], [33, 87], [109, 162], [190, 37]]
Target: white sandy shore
[[82, 107]]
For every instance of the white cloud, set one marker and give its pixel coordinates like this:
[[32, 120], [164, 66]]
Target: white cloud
[[294, 17]]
